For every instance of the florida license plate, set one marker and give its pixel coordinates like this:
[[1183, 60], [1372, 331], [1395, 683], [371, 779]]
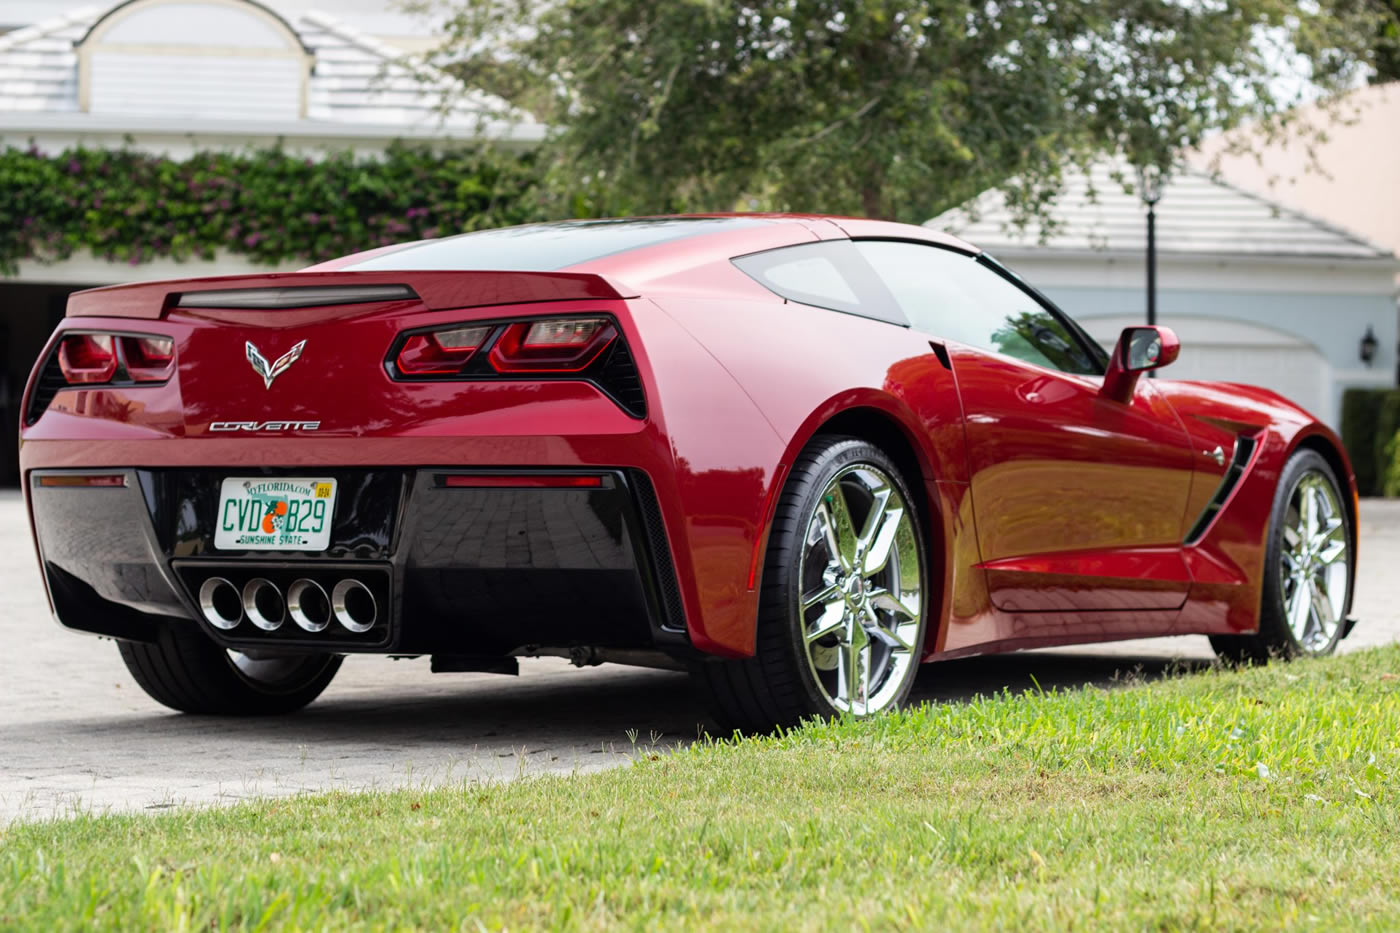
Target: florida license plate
[[265, 513]]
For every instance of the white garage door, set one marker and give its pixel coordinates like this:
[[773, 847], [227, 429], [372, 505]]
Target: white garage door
[[1234, 351]]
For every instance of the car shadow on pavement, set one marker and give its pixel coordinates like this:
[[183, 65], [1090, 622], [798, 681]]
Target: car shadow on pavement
[[609, 709]]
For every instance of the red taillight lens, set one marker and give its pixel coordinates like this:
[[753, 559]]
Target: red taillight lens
[[566, 345], [87, 358], [440, 351], [149, 359]]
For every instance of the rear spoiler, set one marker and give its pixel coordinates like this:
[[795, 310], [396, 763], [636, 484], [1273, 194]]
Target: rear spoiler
[[436, 290]]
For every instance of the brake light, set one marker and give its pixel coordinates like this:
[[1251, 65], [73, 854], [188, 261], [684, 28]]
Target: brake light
[[87, 358], [149, 359], [566, 345], [440, 351]]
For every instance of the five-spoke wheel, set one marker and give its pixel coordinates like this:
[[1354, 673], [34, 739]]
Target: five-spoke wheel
[[844, 597], [1315, 562], [862, 600], [1308, 568]]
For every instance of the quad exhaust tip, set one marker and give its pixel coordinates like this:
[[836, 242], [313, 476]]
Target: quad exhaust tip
[[353, 606], [221, 603], [263, 604], [309, 606]]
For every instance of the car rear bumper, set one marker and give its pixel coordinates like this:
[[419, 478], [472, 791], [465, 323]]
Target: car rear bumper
[[525, 563]]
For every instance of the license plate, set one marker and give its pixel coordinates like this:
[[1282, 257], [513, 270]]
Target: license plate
[[265, 513]]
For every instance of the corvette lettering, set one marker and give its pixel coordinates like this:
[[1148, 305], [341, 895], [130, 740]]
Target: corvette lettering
[[265, 426]]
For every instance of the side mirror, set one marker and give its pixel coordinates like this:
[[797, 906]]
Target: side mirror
[[1139, 349]]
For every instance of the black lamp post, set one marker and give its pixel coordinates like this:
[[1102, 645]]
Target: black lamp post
[[1150, 189]]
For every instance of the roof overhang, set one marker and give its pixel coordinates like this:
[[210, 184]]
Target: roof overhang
[[157, 133], [1232, 272]]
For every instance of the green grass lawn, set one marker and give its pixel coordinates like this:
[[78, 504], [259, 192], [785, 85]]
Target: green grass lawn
[[1225, 800]]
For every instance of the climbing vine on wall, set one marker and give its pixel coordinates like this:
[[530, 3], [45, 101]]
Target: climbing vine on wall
[[270, 206]]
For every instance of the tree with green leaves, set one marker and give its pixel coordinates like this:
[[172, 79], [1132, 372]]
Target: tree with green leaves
[[888, 108], [1388, 49]]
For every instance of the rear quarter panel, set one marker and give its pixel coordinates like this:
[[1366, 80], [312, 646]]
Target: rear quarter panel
[[800, 366]]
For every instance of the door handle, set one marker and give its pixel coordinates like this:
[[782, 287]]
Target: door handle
[[1218, 455]]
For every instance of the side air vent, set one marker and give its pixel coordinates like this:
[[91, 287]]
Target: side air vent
[[1244, 451], [618, 377], [298, 296], [48, 384]]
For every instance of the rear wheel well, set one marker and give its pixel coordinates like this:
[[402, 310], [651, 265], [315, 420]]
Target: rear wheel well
[[876, 427]]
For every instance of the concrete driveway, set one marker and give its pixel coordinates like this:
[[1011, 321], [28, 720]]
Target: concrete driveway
[[77, 733]]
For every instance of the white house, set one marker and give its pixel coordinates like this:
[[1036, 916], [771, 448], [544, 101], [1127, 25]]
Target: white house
[[1258, 293], [178, 76]]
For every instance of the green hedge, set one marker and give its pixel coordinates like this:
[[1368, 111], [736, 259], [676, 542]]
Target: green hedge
[[268, 205], [1370, 422]]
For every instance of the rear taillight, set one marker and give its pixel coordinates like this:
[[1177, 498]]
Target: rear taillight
[[439, 352], [149, 359], [87, 359], [566, 345], [587, 347], [119, 359]]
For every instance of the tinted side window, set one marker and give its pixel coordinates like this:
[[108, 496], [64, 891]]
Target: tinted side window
[[830, 274], [952, 295]]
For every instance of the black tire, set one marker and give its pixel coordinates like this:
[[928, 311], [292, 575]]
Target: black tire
[[1275, 638], [778, 687], [187, 671]]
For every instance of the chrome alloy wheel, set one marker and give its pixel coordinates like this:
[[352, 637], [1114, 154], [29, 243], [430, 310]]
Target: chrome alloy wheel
[[862, 604], [1315, 562]]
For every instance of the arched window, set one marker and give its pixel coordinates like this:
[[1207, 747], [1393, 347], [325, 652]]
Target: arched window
[[228, 59]]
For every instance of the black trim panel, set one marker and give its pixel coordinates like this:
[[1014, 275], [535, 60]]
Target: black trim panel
[[1239, 463]]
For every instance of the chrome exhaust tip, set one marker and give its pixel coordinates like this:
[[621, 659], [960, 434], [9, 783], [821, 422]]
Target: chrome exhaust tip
[[354, 606], [263, 604], [220, 603], [308, 605]]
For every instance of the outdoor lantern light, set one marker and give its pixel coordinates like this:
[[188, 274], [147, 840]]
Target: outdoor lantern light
[[1368, 346], [1149, 184]]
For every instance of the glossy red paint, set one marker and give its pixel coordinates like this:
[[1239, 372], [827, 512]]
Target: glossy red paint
[[1054, 511], [1121, 378]]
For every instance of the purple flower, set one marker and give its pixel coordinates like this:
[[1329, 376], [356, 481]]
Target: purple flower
[[74, 166]]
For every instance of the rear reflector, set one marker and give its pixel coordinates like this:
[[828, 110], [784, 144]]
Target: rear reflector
[[523, 481], [301, 296], [87, 358], [83, 479]]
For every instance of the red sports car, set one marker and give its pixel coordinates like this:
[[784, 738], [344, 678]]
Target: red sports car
[[796, 455]]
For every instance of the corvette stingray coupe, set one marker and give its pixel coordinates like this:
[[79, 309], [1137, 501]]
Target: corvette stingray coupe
[[795, 455]]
